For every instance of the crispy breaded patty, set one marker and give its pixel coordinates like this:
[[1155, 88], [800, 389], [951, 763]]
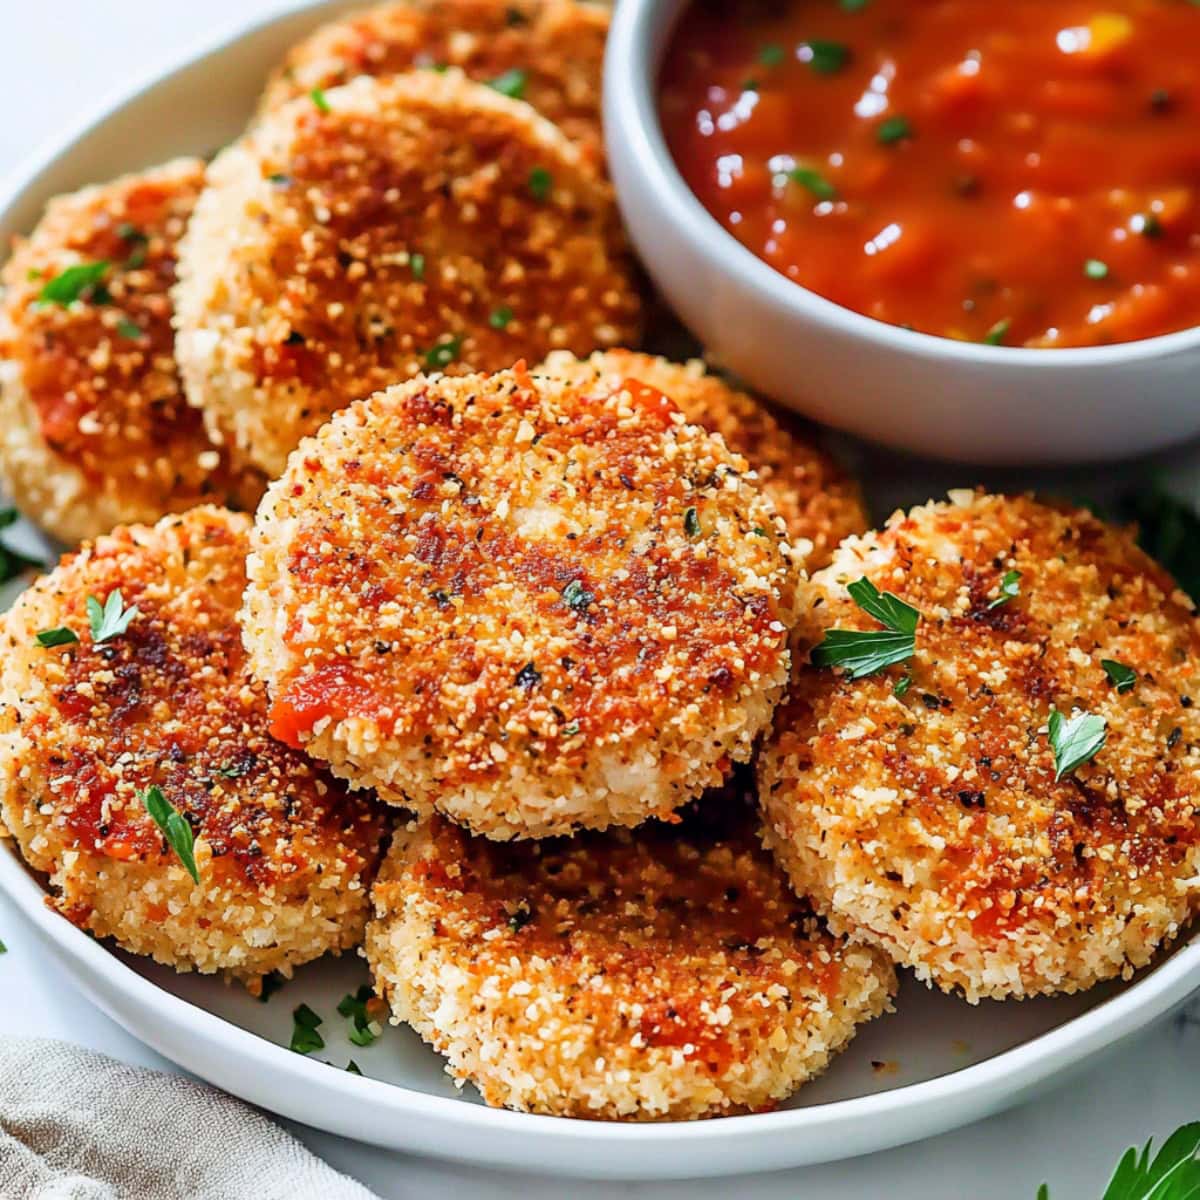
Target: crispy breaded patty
[[549, 53], [285, 856], [819, 502], [662, 973], [931, 823], [528, 604], [415, 224], [94, 426]]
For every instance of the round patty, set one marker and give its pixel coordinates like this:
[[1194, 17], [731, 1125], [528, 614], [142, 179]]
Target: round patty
[[549, 53], [94, 426], [931, 823], [383, 229], [285, 857], [665, 973], [532, 606], [818, 501]]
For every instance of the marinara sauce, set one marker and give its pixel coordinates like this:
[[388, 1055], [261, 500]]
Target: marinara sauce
[[1022, 173]]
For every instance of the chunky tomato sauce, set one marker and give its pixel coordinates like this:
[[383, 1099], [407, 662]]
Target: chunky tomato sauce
[[1020, 173]]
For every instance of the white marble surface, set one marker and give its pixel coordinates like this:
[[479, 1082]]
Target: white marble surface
[[56, 58]]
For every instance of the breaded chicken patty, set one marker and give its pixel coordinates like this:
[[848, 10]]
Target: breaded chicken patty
[[1020, 817], [94, 426], [101, 708], [390, 227], [663, 973], [531, 605], [818, 501], [549, 53]]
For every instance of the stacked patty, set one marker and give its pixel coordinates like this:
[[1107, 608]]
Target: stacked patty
[[153, 693]]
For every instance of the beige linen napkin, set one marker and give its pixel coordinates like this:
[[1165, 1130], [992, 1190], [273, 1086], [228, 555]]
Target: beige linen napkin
[[77, 1125]]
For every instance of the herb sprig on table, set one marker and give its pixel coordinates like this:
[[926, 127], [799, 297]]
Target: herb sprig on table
[[1172, 1174]]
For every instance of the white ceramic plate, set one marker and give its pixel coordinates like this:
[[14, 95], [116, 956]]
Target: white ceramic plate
[[935, 1064]]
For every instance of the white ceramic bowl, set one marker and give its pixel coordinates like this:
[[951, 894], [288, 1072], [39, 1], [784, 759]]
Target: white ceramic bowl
[[946, 1063], [948, 399]]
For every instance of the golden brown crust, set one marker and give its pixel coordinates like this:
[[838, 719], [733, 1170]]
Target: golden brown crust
[[415, 224], [932, 824], [661, 973], [528, 604], [96, 428], [818, 501], [284, 854], [557, 45]]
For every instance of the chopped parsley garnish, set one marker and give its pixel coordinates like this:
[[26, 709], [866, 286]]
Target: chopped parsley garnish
[[3, 948], [111, 619], [416, 264], [1173, 1173], [894, 129], [173, 826], [1010, 589], [305, 1038], [1147, 224], [691, 523], [280, 179], [501, 317], [129, 329], [541, 183], [826, 58], [902, 686], [444, 353], [1095, 269], [353, 1068], [1119, 675], [814, 181], [866, 652], [62, 636], [132, 234], [511, 83], [749, 85], [317, 96], [570, 730], [998, 332], [271, 983], [79, 282], [576, 597], [771, 55], [13, 562], [1075, 740], [353, 1006], [853, 5]]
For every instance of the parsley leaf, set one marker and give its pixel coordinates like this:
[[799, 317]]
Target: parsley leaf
[[691, 523], [444, 353], [853, 5], [1075, 740], [902, 686], [771, 55], [814, 181], [353, 1068], [305, 1038], [173, 826], [1119, 675], [75, 283], [541, 183], [866, 652], [998, 332], [129, 329], [3, 948], [269, 985], [353, 1006], [1173, 1174], [62, 636], [110, 620], [894, 129], [511, 83], [317, 96], [1010, 589], [826, 58], [1095, 269], [576, 597], [501, 317], [416, 263]]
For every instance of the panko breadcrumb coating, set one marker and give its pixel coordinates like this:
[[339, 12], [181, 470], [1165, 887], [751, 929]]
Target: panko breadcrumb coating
[[94, 426], [532, 606], [818, 501], [549, 53], [285, 857], [931, 823], [664, 973], [383, 229]]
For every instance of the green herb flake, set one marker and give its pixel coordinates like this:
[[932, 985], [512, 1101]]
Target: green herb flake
[[32, 275], [173, 826], [79, 282], [353, 1068], [62, 636], [1123, 678], [129, 329], [866, 652], [1075, 740], [270, 984], [444, 353], [416, 263], [111, 619], [571, 730], [1095, 269], [691, 523], [826, 58], [576, 597], [894, 129], [814, 181], [511, 83], [13, 562], [541, 183], [1010, 589], [305, 1038], [902, 685], [853, 5], [749, 85], [998, 332], [501, 317], [317, 96], [771, 55], [3, 948], [353, 1006]]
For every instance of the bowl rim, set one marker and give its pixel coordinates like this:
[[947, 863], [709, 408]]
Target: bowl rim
[[640, 32]]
